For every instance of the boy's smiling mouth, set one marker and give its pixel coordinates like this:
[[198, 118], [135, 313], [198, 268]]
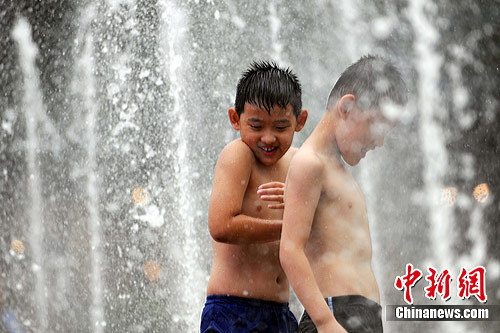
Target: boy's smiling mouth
[[268, 150]]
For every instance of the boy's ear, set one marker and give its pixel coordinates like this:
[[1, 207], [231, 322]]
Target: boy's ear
[[346, 105], [301, 120], [234, 118]]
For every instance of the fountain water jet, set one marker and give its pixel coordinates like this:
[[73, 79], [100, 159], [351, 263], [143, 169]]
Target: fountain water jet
[[86, 67], [275, 25], [33, 107], [176, 31], [433, 138]]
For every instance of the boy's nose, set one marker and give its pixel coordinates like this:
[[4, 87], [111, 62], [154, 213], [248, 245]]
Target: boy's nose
[[268, 138]]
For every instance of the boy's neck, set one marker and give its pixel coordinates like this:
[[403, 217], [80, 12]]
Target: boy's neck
[[323, 136]]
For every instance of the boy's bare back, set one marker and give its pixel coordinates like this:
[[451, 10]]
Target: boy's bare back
[[250, 267]]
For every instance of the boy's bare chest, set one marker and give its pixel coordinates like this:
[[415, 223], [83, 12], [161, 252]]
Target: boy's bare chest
[[340, 222], [341, 197], [252, 203]]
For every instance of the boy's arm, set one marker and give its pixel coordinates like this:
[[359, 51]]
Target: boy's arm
[[225, 221], [302, 193]]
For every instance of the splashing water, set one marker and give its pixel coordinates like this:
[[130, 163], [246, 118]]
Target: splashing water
[[120, 161]]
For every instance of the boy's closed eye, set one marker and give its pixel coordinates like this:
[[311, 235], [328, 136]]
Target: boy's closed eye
[[282, 124], [255, 123]]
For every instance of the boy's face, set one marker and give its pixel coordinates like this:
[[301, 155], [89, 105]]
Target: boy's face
[[269, 136], [361, 132]]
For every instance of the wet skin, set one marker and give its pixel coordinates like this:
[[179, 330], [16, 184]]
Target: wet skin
[[244, 229], [326, 246]]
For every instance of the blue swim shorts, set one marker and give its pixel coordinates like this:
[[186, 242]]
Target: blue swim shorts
[[226, 313]]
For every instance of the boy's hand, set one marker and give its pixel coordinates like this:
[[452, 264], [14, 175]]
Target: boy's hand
[[272, 191]]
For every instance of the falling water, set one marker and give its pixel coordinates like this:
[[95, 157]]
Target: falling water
[[433, 137], [33, 107], [275, 25], [428, 63], [193, 278], [87, 68], [354, 41]]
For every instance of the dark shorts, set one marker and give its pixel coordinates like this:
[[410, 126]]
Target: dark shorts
[[238, 314], [355, 313]]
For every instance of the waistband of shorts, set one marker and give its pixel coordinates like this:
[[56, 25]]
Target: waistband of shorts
[[351, 299], [246, 301]]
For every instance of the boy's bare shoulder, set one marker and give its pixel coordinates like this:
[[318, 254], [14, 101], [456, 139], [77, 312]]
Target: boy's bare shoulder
[[306, 161], [287, 158], [236, 152]]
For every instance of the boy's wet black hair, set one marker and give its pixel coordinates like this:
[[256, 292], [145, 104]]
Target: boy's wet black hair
[[372, 80], [265, 85]]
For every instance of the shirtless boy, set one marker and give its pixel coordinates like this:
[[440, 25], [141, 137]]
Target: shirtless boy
[[325, 243], [248, 290]]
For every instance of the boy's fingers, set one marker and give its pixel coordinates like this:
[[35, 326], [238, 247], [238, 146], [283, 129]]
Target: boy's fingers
[[276, 206], [272, 185], [271, 191], [278, 198]]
